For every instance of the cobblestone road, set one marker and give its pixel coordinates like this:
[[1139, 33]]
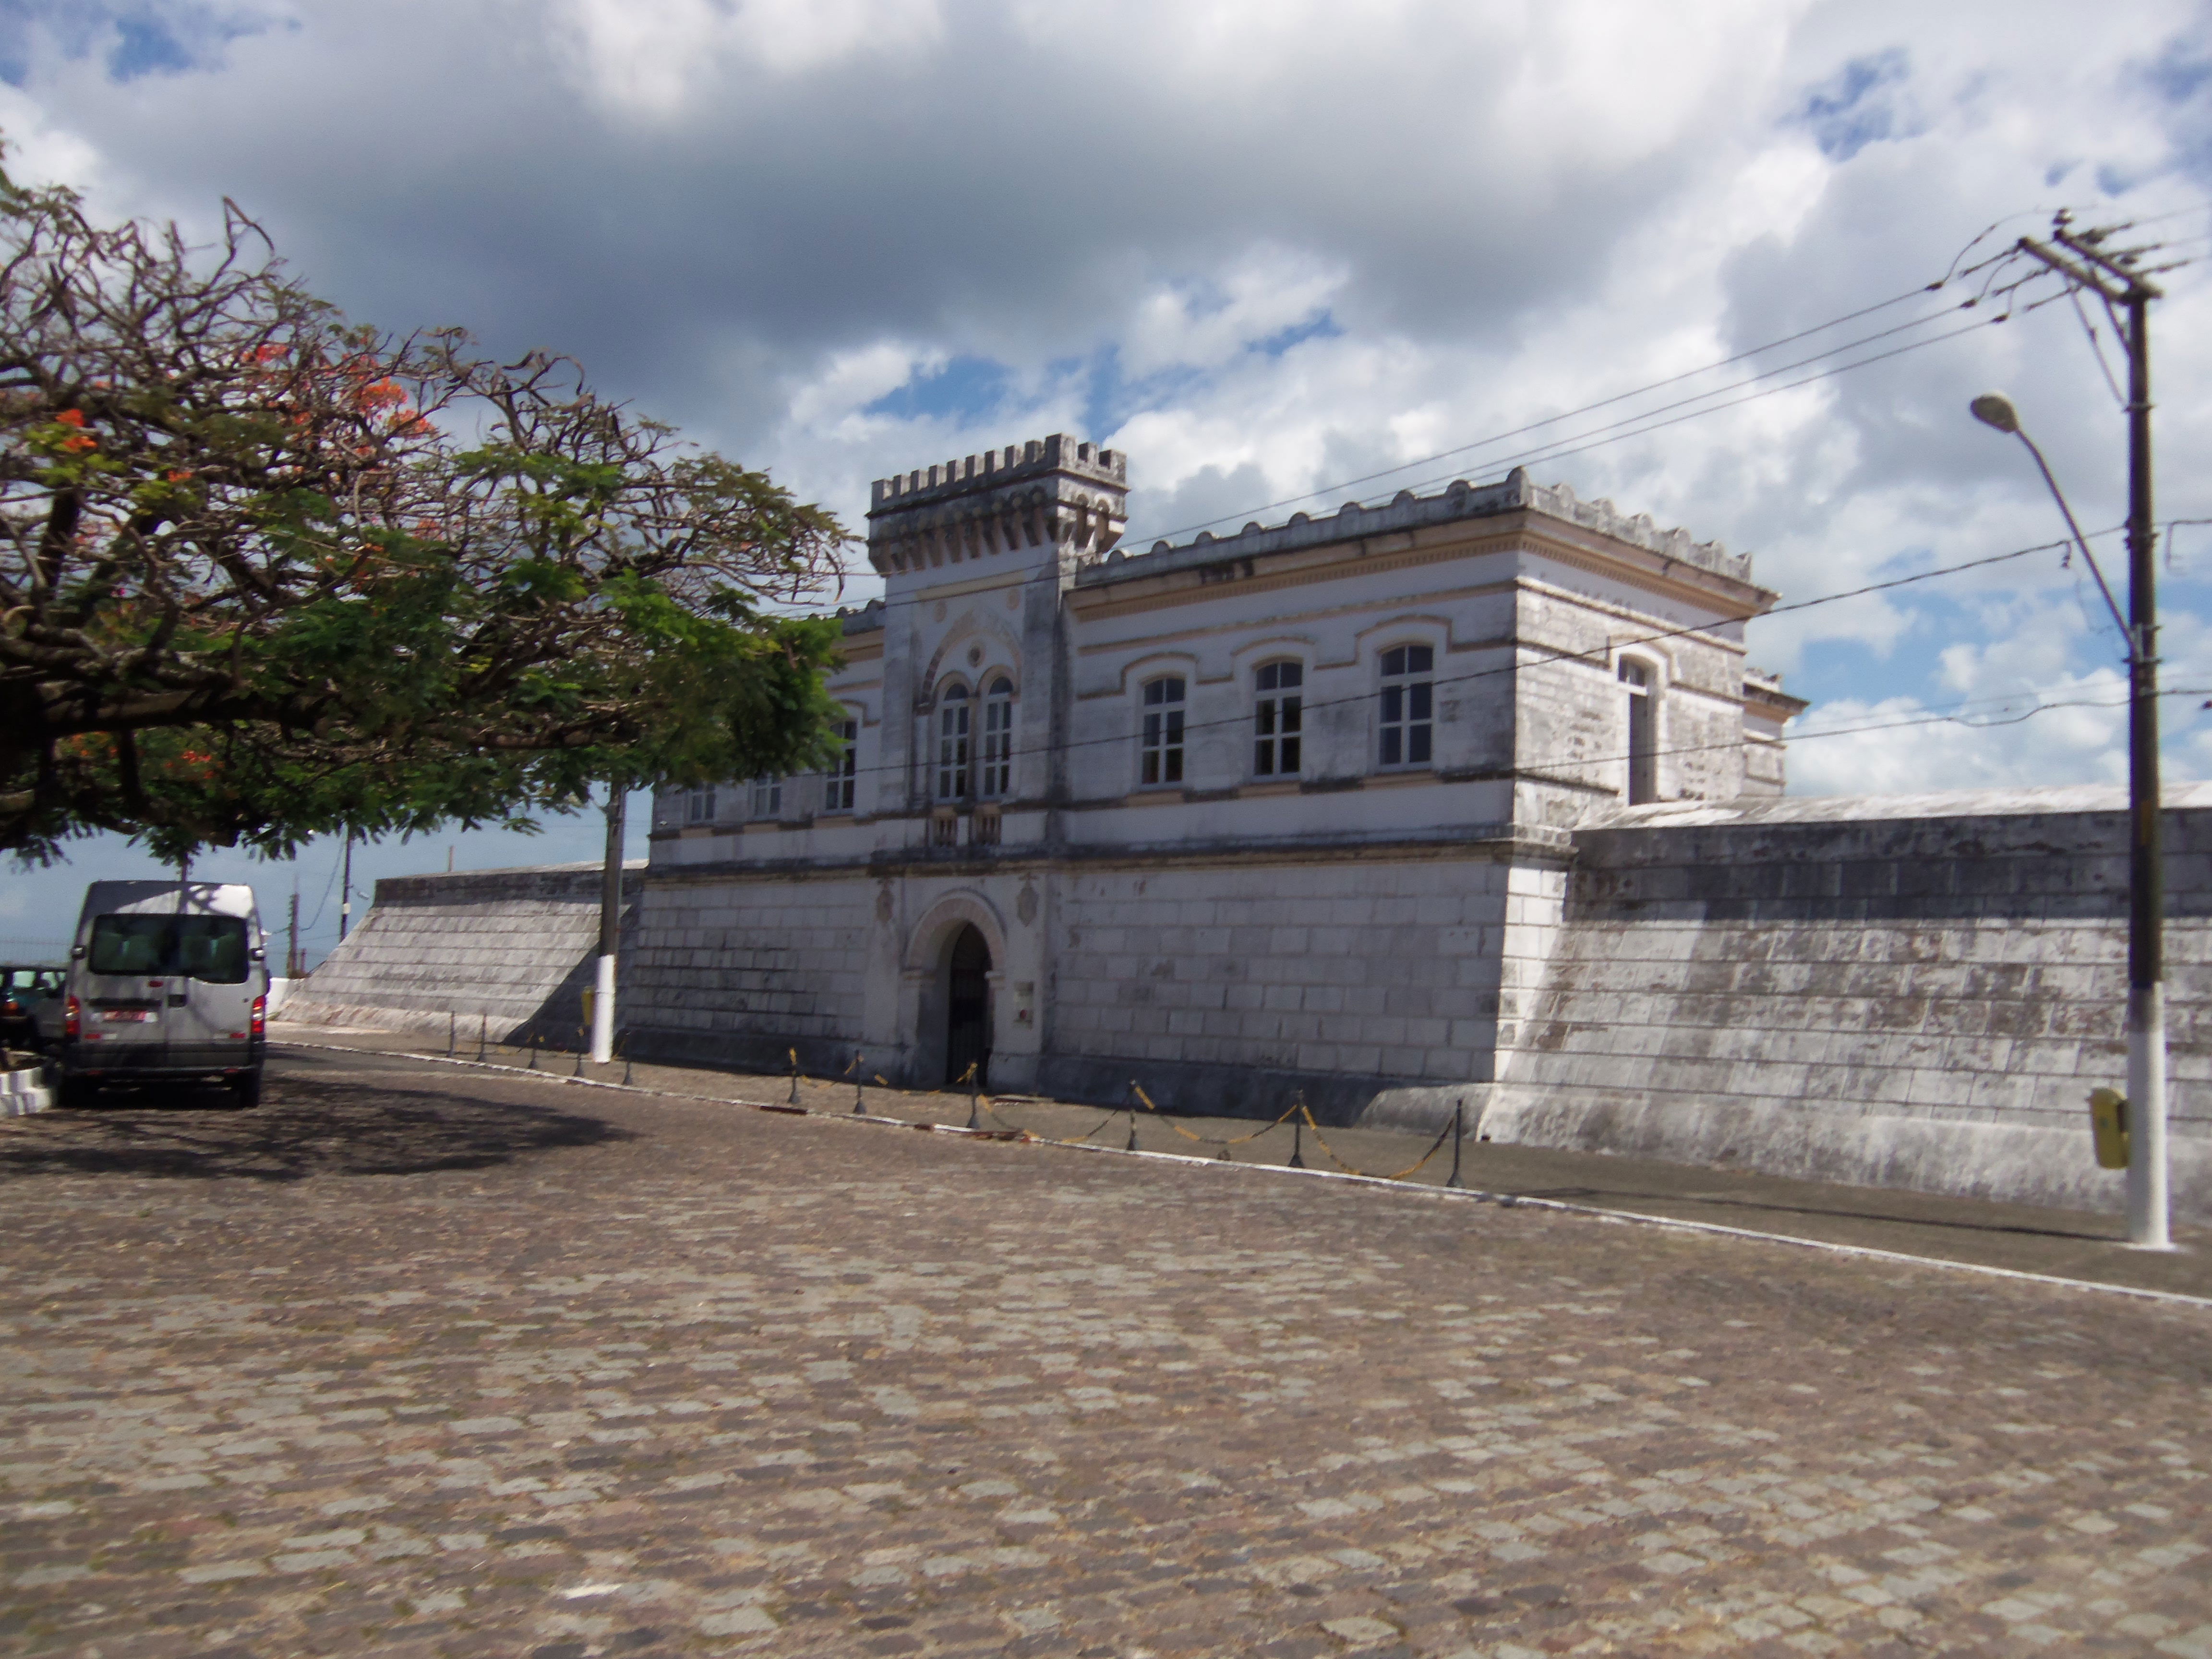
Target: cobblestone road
[[415, 1362]]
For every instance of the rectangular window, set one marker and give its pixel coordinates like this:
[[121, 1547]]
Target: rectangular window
[[699, 805], [986, 830], [1643, 755], [1162, 750], [767, 798], [837, 787], [1408, 701], [209, 948], [1278, 719], [952, 728], [997, 741], [944, 830]]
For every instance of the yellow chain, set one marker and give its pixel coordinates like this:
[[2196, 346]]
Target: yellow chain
[[1410, 1169], [1205, 1141]]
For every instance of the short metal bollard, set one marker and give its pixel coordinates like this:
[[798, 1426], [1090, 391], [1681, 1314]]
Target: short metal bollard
[[625, 1055], [860, 1084], [533, 1048], [1298, 1131], [583, 1047], [452, 1031], [1459, 1135], [483, 1032], [795, 1076], [975, 1093]]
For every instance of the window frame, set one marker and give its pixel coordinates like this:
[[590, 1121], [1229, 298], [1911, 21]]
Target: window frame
[[1279, 718], [953, 754], [699, 805], [764, 798], [1405, 708], [1640, 678], [995, 770], [1162, 754], [839, 783]]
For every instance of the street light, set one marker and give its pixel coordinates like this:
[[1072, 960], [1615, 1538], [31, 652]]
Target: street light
[[2147, 1199]]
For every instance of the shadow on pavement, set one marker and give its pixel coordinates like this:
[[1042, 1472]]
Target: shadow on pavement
[[304, 1126]]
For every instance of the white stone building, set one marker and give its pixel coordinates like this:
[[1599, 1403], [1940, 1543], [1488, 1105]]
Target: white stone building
[[1284, 808]]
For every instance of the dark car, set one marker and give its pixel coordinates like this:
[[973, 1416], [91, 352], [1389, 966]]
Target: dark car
[[22, 990]]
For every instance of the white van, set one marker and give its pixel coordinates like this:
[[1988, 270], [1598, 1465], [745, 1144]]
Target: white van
[[168, 981]]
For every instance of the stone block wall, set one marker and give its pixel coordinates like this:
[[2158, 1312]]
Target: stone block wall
[[1361, 978], [1903, 992], [506, 952], [740, 972]]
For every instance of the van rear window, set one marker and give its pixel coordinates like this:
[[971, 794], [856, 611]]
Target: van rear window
[[210, 948]]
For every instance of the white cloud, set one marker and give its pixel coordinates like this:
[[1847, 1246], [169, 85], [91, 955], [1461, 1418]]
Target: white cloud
[[652, 57], [1266, 248]]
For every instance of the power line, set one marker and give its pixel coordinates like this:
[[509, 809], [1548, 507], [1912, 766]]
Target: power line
[[1602, 435], [1550, 654]]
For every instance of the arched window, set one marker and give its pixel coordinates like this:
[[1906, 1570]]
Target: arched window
[[1409, 698], [998, 777], [953, 713], [1278, 719], [1161, 750], [1636, 679]]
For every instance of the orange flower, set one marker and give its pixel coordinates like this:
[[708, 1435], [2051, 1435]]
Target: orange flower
[[70, 418], [178, 478]]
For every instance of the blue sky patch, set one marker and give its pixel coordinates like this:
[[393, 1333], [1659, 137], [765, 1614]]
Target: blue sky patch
[[1850, 109], [965, 391]]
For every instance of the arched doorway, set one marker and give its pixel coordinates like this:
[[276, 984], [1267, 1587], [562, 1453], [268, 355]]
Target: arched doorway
[[968, 1007]]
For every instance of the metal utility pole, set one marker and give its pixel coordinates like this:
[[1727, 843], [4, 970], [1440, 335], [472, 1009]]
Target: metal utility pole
[[292, 950], [2112, 279], [345, 889], [603, 1001]]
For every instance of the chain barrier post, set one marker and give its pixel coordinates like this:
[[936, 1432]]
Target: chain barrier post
[[484, 1034], [453, 1029], [625, 1055], [795, 1076], [1459, 1135], [975, 1089], [583, 1047], [1298, 1131], [1135, 1095], [533, 1048], [859, 1082]]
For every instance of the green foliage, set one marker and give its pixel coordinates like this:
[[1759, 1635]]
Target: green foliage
[[251, 592]]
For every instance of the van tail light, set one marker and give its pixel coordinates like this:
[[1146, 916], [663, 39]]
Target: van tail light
[[260, 1027], [73, 1018]]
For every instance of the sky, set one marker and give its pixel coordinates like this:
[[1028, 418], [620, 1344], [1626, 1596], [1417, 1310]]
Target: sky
[[1268, 249]]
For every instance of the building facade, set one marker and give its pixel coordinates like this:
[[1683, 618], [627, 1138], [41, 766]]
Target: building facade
[[1285, 809]]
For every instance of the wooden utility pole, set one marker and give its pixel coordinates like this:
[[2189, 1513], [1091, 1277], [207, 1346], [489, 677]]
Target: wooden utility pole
[[610, 885]]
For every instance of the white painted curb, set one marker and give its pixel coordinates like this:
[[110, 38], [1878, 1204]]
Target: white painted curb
[[22, 1093]]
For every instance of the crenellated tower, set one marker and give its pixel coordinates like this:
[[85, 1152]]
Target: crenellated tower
[[1050, 494]]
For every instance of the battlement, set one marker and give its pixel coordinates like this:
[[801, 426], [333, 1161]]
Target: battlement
[[1051, 493], [995, 468], [1519, 493]]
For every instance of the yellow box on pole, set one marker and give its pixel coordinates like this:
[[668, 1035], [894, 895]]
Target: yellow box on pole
[[2108, 1124], [591, 997]]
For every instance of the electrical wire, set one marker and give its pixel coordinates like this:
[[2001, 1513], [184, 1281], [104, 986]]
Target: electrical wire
[[1521, 662]]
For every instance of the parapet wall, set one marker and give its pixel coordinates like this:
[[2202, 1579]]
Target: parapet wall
[[1912, 991], [508, 953]]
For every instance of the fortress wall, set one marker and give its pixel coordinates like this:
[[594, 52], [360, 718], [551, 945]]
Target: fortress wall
[[507, 952], [1914, 991]]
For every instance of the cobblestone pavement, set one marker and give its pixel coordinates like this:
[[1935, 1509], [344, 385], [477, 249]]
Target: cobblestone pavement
[[2020, 1238], [414, 1361]]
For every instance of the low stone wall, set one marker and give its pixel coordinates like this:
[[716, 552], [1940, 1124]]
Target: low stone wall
[[1914, 991], [510, 953]]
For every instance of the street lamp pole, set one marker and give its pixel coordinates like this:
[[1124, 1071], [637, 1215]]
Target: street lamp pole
[[2148, 1198]]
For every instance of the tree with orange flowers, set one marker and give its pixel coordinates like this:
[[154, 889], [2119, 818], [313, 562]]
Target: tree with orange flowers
[[264, 573]]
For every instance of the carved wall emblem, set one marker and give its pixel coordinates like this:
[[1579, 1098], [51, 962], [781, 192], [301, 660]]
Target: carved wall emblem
[[883, 901], [1025, 907]]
